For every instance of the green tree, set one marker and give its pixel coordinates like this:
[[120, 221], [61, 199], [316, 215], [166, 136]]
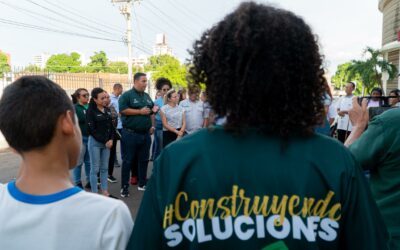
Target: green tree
[[342, 77], [117, 67], [98, 62], [32, 68], [169, 67], [4, 66], [64, 63], [370, 70]]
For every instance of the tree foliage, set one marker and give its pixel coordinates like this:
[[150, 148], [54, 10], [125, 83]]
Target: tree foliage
[[4, 66], [370, 70], [98, 62], [342, 77], [64, 63], [169, 67]]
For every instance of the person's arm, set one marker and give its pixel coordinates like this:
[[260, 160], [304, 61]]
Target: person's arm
[[183, 127], [90, 121], [359, 117], [153, 123], [361, 223], [166, 125], [131, 111]]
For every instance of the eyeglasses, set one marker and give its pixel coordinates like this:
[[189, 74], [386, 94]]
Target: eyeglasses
[[165, 90], [85, 95]]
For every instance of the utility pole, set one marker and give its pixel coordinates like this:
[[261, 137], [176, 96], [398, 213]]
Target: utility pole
[[126, 11]]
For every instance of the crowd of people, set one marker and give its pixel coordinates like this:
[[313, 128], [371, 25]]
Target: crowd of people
[[263, 175]]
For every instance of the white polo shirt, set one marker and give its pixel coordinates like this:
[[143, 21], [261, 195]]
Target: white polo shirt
[[71, 219], [345, 103]]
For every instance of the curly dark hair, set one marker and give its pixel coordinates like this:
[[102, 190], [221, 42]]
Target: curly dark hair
[[160, 82], [262, 69]]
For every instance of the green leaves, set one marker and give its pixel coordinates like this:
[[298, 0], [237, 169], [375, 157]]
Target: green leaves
[[169, 67], [4, 66], [61, 63]]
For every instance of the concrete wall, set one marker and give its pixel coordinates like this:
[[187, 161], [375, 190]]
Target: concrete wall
[[3, 143]]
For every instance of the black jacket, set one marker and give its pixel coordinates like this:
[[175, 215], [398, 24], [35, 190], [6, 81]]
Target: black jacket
[[100, 124]]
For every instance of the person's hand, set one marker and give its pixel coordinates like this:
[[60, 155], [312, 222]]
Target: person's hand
[[359, 115], [180, 133], [145, 111], [151, 131], [155, 109], [342, 113], [109, 143]]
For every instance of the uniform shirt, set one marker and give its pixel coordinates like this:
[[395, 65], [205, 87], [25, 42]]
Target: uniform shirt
[[115, 104], [345, 103], [135, 100], [81, 114], [174, 116], [378, 150], [71, 219], [100, 124], [195, 115], [206, 193]]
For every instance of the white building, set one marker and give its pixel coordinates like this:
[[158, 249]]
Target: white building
[[41, 60], [161, 47]]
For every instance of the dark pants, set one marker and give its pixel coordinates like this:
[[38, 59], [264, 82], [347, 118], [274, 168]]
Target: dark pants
[[168, 137], [134, 143], [113, 155], [342, 135]]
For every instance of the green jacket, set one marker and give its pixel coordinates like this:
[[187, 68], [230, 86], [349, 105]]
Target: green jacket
[[214, 190], [81, 113]]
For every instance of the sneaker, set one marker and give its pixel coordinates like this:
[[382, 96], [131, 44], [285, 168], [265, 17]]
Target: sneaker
[[141, 188], [134, 180], [79, 185], [98, 181], [111, 179], [125, 192], [112, 196], [87, 186]]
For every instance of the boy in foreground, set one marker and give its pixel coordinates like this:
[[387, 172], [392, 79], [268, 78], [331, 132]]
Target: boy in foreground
[[42, 209]]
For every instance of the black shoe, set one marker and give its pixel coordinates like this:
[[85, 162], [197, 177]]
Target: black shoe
[[112, 196], [125, 191], [87, 186], [79, 185], [111, 179]]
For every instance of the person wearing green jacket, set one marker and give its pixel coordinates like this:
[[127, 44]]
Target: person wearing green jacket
[[80, 99], [264, 179]]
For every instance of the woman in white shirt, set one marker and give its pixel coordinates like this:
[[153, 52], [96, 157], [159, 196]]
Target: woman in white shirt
[[173, 118]]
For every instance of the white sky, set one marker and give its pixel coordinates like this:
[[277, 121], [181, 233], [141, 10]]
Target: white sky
[[344, 27]]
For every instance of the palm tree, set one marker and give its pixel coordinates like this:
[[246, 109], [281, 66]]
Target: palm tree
[[371, 69]]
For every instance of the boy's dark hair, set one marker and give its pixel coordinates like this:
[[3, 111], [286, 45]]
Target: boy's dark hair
[[160, 82], [75, 95], [262, 69], [138, 75], [29, 111]]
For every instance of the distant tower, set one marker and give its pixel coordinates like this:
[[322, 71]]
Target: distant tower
[[391, 38], [161, 47]]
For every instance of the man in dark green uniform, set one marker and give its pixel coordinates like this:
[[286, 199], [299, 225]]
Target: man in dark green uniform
[[136, 108], [378, 150], [264, 180]]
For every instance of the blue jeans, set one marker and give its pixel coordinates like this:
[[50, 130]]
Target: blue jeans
[[158, 143], [134, 143], [99, 155], [83, 158]]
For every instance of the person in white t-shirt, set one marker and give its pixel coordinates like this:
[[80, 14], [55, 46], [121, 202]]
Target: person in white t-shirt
[[194, 110], [42, 209], [344, 126]]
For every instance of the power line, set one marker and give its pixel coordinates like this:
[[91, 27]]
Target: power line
[[192, 13], [62, 15], [41, 16], [114, 28], [138, 26], [25, 25], [187, 12], [167, 19]]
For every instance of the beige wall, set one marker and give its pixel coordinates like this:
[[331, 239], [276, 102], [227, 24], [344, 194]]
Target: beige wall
[[391, 20]]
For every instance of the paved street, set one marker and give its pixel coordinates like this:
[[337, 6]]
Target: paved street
[[9, 163]]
